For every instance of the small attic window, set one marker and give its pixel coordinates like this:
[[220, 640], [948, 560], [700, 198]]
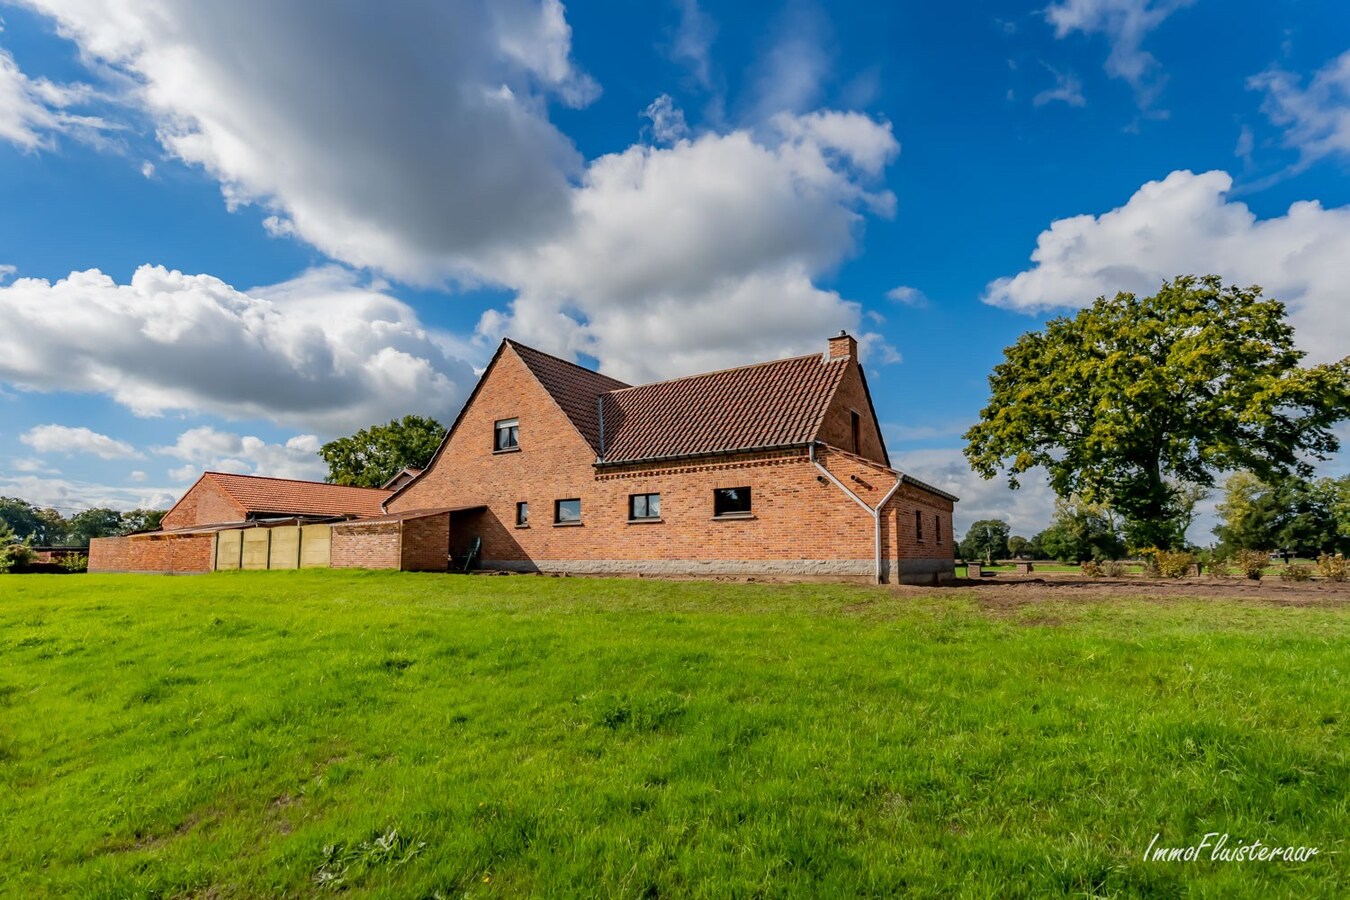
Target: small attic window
[[855, 431], [507, 435]]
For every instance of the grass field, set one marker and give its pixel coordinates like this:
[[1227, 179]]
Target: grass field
[[268, 734]]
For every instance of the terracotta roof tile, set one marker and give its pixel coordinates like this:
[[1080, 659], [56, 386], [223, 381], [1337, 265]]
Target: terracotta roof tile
[[574, 388], [772, 404], [284, 496]]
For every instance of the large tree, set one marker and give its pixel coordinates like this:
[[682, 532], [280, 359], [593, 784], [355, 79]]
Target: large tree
[[987, 538], [1294, 514], [28, 522], [376, 454], [1135, 398], [1082, 531]]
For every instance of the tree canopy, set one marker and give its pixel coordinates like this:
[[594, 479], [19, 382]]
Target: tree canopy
[[987, 538], [1293, 514], [47, 527], [376, 454], [1081, 531], [1134, 399]]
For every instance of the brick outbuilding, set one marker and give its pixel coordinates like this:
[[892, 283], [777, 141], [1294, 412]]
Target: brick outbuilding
[[778, 468]]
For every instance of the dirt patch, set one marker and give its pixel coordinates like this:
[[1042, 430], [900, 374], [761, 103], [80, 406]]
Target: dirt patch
[[1011, 593]]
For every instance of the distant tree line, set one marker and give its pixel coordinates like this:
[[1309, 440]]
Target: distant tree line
[[45, 527]]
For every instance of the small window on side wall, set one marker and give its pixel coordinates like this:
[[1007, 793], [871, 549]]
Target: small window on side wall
[[566, 511], [855, 431], [918, 526], [522, 513], [644, 506], [937, 529], [507, 435], [730, 502]]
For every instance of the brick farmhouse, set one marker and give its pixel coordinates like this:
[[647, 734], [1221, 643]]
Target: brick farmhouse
[[777, 468]]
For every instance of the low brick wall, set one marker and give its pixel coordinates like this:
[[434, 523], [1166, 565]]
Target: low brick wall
[[374, 546], [173, 554]]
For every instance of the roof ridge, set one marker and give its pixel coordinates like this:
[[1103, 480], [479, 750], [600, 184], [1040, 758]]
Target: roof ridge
[[576, 365], [354, 487], [762, 363]]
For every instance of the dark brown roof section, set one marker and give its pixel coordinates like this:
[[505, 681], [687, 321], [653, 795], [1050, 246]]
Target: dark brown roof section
[[574, 388], [284, 496], [774, 404]]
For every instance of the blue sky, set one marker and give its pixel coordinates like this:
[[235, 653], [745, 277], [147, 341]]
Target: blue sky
[[229, 232]]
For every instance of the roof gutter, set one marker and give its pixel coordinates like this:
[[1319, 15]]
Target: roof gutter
[[874, 513]]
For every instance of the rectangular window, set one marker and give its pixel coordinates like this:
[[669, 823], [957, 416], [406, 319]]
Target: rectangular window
[[937, 529], [855, 429], [507, 435], [731, 501], [918, 526], [566, 511], [522, 513], [644, 506]]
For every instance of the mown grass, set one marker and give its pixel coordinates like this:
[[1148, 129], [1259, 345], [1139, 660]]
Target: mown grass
[[398, 735]]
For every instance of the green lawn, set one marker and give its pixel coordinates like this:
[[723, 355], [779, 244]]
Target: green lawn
[[399, 735]]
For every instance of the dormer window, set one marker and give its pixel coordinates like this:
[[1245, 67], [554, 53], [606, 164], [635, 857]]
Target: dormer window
[[507, 435]]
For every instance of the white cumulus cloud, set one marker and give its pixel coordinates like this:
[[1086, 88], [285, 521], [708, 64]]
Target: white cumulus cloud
[[322, 352], [414, 139], [1187, 224], [208, 448], [67, 440], [705, 253], [34, 111]]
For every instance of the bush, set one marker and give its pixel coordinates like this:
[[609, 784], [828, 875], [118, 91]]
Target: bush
[[1220, 566], [74, 562], [1113, 568], [1252, 563], [1091, 568], [1333, 568], [1296, 572], [1174, 563]]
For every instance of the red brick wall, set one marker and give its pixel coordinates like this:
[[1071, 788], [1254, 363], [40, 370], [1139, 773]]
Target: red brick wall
[[176, 554], [796, 517], [837, 429], [365, 546], [204, 504], [426, 544]]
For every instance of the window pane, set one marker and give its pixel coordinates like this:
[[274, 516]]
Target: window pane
[[654, 505], [507, 434], [639, 510], [729, 501], [568, 511], [522, 513]]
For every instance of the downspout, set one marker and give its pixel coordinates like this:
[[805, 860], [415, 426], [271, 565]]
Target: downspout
[[874, 513]]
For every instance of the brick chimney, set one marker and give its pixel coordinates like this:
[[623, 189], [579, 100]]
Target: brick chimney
[[842, 346]]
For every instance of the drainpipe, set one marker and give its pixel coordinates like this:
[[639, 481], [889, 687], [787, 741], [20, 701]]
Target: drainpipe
[[874, 513]]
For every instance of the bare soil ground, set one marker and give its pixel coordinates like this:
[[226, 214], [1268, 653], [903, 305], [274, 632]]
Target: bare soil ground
[[1014, 591]]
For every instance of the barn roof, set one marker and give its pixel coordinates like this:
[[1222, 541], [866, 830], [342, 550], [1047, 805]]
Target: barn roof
[[285, 496]]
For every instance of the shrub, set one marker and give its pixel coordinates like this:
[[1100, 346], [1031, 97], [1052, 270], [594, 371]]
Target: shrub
[[1173, 563], [1220, 566], [1252, 563], [1296, 572], [1113, 568], [1333, 568], [74, 562], [1091, 568]]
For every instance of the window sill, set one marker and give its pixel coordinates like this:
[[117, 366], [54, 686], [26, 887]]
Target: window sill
[[507, 450], [647, 520], [566, 524], [522, 526], [733, 516]]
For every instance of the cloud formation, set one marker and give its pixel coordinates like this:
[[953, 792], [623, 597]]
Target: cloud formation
[[1125, 24], [208, 448], [34, 111], [322, 352], [68, 440], [1315, 118], [678, 252], [415, 140], [1186, 224]]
